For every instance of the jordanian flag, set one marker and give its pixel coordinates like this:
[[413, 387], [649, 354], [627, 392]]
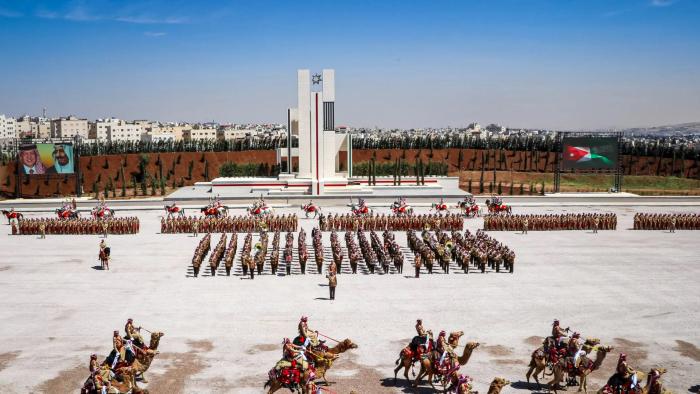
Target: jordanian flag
[[580, 154]]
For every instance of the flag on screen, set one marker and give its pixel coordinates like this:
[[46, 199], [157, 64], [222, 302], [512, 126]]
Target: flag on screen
[[581, 153]]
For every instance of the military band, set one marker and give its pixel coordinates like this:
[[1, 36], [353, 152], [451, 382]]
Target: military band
[[382, 222]]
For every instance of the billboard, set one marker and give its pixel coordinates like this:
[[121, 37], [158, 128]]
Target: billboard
[[48, 158], [589, 153]]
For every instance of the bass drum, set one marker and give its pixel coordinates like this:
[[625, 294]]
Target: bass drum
[[107, 251]]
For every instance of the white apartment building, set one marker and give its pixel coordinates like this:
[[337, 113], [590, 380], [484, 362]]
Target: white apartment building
[[98, 129], [7, 127], [177, 130], [157, 136], [199, 134], [123, 131], [233, 134], [69, 127]]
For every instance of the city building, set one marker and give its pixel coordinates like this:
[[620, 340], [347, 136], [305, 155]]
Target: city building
[[69, 127], [233, 133], [23, 127], [98, 129], [199, 134], [40, 127], [124, 132], [7, 127]]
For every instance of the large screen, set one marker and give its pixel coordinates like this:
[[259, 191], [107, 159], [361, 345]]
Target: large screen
[[39, 159], [588, 153]]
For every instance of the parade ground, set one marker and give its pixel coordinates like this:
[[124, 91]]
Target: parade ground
[[635, 290]]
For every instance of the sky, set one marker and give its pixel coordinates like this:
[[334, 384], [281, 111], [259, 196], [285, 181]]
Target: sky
[[558, 64]]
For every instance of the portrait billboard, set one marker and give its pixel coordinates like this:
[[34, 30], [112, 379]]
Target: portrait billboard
[[589, 153], [46, 158]]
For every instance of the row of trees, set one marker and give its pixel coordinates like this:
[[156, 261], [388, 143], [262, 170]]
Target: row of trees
[[122, 147], [398, 167], [230, 169], [482, 187], [660, 146]]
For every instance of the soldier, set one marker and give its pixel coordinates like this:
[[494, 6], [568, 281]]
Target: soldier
[[119, 349], [105, 227], [305, 332], [444, 347], [291, 352], [94, 365], [625, 372], [332, 283], [132, 332], [525, 224], [42, 230], [596, 222], [417, 260], [672, 228]]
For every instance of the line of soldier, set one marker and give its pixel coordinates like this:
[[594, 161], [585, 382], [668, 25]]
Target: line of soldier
[[200, 253], [481, 251], [43, 226], [251, 262], [229, 224], [551, 222], [667, 221], [381, 222]]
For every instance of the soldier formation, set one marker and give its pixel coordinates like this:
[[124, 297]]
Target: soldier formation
[[42, 226], [382, 222], [479, 251], [666, 221], [551, 222], [229, 224]]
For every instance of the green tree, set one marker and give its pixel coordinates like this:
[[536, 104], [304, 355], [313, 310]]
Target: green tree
[[522, 189], [500, 188], [469, 187], [511, 187], [189, 169], [162, 186]]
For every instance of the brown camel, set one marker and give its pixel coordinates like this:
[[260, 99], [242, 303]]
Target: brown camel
[[144, 359], [275, 385], [497, 384], [324, 360], [653, 385], [428, 368], [538, 360], [583, 369], [405, 361]]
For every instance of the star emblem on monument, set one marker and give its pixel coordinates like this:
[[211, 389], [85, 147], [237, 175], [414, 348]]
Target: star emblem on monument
[[316, 79]]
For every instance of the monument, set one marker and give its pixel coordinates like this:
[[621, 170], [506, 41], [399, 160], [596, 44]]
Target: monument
[[319, 156]]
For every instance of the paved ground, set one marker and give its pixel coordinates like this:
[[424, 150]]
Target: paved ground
[[637, 291]]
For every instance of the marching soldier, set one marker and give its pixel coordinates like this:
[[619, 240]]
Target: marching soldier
[[42, 230], [525, 224], [596, 222], [417, 260], [673, 224], [332, 283]]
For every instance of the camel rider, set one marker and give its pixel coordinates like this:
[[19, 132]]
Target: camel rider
[[444, 346], [103, 378], [132, 332], [422, 332], [94, 365], [625, 372], [119, 348], [292, 352], [574, 346], [305, 332], [558, 333]]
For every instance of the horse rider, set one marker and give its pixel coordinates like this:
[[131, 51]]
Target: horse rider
[[309, 335], [132, 332]]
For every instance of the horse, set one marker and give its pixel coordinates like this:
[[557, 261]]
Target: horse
[[402, 210], [104, 258], [102, 213], [10, 215], [498, 208], [259, 210], [469, 209], [214, 211], [64, 213], [171, 210], [361, 210], [440, 207], [310, 208]]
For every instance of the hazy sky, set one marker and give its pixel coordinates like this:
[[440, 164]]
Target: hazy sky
[[567, 64]]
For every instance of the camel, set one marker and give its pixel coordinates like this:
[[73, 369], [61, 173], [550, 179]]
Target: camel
[[405, 361], [585, 365], [653, 384], [427, 368], [143, 361], [275, 384], [538, 361], [497, 385], [323, 363], [126, 386]]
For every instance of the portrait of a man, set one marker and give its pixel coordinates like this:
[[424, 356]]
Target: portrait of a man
[[30, 160], [62, 159]]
